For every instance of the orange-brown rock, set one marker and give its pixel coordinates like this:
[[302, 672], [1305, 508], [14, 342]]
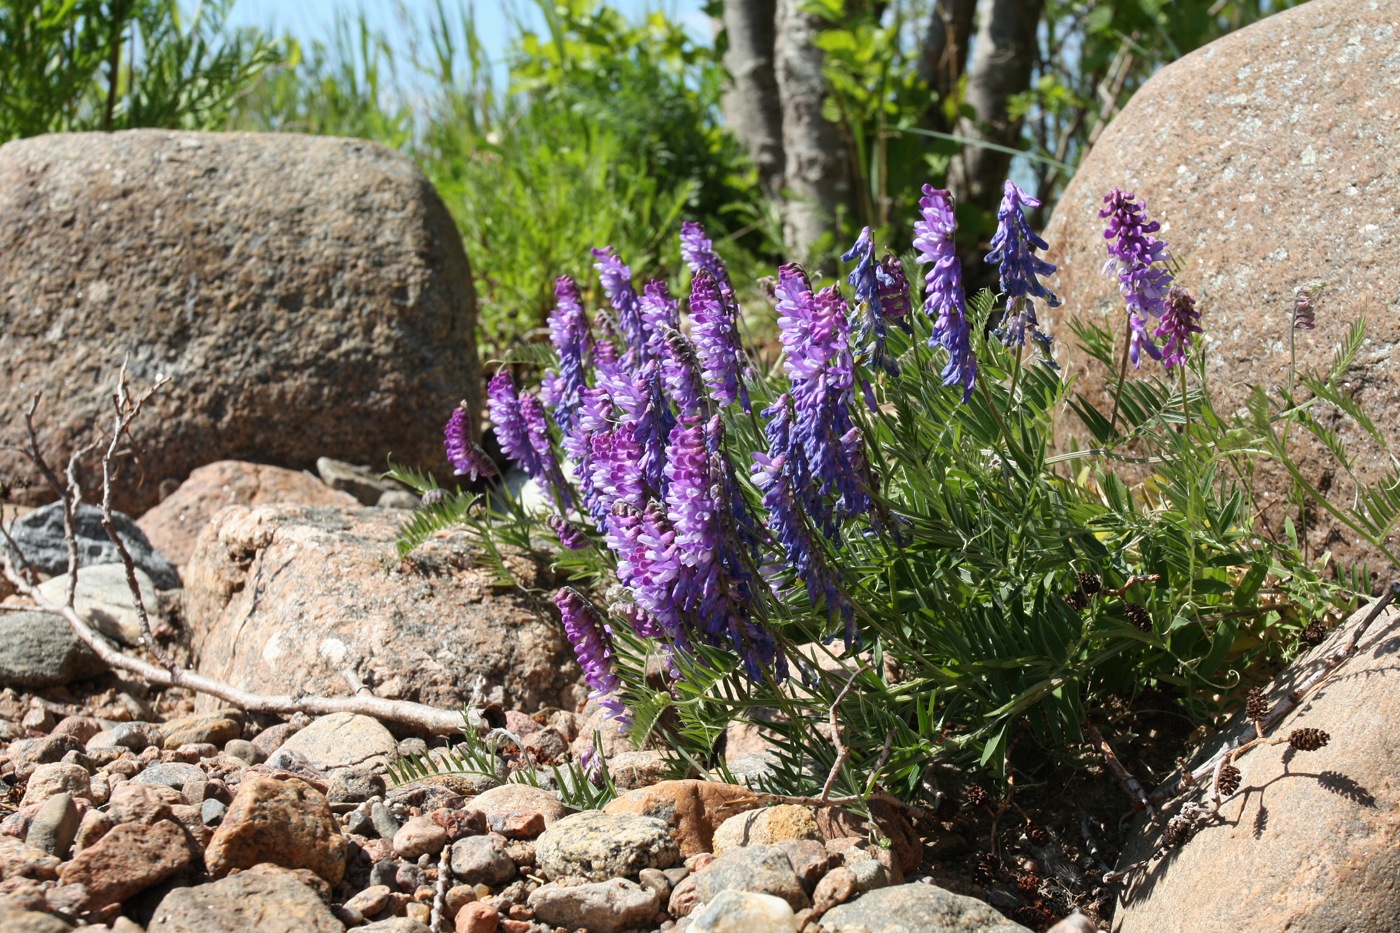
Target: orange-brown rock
[[129, 859], [285, 598], [694, 809], [174, 525], [286, 822], [1272, 159]]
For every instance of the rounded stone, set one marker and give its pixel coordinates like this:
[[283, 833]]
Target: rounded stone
[[916, 908], [600, 906], [39, 649], [597, 846], [771, 824], [744, 912], [59, 777]]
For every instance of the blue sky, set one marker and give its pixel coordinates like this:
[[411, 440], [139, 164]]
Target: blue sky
[[309, 20]]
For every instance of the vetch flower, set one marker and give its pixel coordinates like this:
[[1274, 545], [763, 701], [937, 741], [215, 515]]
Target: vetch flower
[[592, 644], [504, 404], [643, 542], [1013, 253], [616, 278], [568, 331], [659, 313], [716, 333], [568, 532], [871, 329], [944, 299], [546, 466], [698, 253], [682, 374], [1304, 314], [1179, 321], [466, 457], [1133, 255]]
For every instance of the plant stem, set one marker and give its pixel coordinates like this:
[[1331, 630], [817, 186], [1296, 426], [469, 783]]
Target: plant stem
[[1122, 377]]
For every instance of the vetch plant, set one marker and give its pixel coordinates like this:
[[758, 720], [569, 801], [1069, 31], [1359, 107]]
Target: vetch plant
[[873, 519]]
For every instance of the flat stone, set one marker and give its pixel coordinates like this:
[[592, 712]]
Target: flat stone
[[600, 907], [343, 740], [764, 869], [510, 802], [744, 912], [18, 860], [285, 822], [104, 598], [129, 859], [364, 483], [172, 774], [395, 925], [245, 903], [214, 728], [597, 846], [39, 649], [15, 920], [917, 908], [636, 769], [39, 535], [419, 836]]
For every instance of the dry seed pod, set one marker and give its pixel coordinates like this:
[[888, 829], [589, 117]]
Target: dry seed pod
[[1314, 634], [1229, 780], [1255, 706], [1037, 834], [1179, 829], [1308, 740], [1077, 600], [1089, 583], [976, 795], [1028, 883], [1138, 616]]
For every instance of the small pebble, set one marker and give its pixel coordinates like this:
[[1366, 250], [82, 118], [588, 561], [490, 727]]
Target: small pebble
[[385, 873], [244, 751], [211, 812]]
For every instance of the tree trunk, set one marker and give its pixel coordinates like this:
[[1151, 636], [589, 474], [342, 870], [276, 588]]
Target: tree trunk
[[751, 106], [944, 58], [1001, 68], [817, 173]]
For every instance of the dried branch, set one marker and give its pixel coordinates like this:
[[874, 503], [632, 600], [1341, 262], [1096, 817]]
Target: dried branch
[[1130, 783], [843, 753]]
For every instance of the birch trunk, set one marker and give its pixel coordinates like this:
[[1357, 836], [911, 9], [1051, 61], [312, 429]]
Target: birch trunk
[[751, 106], [944, 58]]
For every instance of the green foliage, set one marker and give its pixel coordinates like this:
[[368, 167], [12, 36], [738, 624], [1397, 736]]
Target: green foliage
[[121, 64], [607, 135], [976, 634]]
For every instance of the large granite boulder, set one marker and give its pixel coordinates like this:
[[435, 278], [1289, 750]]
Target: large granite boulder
[[1310, 842], [306, 296], [1272, 159], [283, 599]]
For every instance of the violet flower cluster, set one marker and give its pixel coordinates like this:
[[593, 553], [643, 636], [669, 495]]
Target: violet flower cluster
[[944, 299], [466, 457], [592, 643], [1133, 256], [881, 296], [1013, 253], [1180, 321]]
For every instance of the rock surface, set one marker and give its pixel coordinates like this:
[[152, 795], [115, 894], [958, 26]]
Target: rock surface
[[743, 911], [599, 907], [693, 809], [306, 296], [175, 524], [286, 598], [130, 858], [104, 598], [1311, 841], [38, 649], [245, 903], [917, 908], [1272, 159], [597, 846], [344, 740], [39, 535], [285, 822]]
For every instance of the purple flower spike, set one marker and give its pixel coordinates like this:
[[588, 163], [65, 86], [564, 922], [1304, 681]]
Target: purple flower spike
[[504, 405], [568, 330], [699, 254], [568, 532], [466, 457], [592, 644], [1013, 252], [716, 333], [681, 371], [945, 300], [617, 285], [545, 465], [659, 313], [894, 291], [1133, 254], [871, 329], [1180, 321]]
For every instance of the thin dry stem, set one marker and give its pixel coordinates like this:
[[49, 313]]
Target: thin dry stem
[[843, 753], [1130, 784]]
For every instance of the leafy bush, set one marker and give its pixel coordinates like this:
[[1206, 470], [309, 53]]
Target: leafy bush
[[873, 531], [120, 64]]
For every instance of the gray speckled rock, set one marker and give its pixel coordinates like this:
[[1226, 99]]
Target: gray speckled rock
[[917, 908], [307, 296], [39, 650], [744, 912], [601, 907], [54, 826], [40, 538], [764, 869], [1271, 157], [597, 846], [245, 903], [481, 860], [172, 774], [15, 920], [104, 597], [342, 740]]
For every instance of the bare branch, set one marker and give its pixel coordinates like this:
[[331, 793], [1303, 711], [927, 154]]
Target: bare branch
[[842, 752], [1130, 783]]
